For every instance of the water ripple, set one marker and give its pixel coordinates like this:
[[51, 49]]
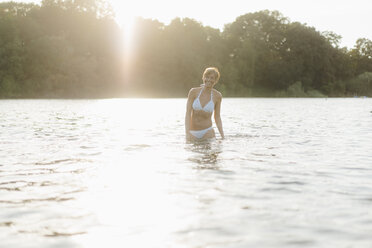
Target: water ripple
[[79, 173]]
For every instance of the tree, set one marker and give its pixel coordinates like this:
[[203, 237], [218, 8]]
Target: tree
[[361, 56]]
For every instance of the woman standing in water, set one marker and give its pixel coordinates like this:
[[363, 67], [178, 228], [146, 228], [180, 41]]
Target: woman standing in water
[[201, 103]]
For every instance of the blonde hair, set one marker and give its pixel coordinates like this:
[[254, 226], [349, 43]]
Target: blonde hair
[[212, 70]]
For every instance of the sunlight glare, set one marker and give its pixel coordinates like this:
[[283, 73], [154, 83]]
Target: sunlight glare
[[126, 19], [127, 24]]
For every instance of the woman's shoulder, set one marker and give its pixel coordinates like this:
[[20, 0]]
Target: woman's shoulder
[[197, 89], [217, 93], [194, 90]]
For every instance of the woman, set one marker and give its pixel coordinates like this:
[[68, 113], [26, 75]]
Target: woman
[[201, 103]]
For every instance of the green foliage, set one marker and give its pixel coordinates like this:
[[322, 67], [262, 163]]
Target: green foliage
[[271, 54], [361, 56], [68, 48], [360, 85], [254, 41], [297, 90], [172, 57], [58, 49]]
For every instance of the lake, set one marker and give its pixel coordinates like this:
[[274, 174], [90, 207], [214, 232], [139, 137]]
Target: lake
[[118, 173]]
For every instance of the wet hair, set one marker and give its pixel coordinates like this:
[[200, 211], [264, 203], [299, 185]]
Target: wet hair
[[212, 70]]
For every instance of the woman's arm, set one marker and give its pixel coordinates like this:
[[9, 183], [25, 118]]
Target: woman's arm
[[217, 116], [188, 115]]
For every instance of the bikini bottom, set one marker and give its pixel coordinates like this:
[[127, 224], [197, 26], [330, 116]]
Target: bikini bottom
[[200, 133]]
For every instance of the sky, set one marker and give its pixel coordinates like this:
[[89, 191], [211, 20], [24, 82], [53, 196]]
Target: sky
[[350, 19]]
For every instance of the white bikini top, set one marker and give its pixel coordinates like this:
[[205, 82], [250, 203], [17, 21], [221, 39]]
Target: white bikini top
[[209, 107]]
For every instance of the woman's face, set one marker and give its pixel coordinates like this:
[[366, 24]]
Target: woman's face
[[209, 80]]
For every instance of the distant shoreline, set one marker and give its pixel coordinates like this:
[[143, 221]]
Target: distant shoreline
[[159, 97]]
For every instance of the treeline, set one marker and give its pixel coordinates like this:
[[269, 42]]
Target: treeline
[[59, 49], [67, 48], [260, 54]]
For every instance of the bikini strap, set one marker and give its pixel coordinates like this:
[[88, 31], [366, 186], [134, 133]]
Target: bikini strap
[[200, 92]]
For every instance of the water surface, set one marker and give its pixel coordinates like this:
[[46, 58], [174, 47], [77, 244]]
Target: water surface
[[118, 172]]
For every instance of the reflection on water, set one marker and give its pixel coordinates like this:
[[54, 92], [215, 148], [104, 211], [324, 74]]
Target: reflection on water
[[93, 173], [205, 153]]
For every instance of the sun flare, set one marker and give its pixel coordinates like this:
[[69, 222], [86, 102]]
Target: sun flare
[[127, 24]]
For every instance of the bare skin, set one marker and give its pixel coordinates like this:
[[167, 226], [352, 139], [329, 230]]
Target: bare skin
[[199, 119]]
